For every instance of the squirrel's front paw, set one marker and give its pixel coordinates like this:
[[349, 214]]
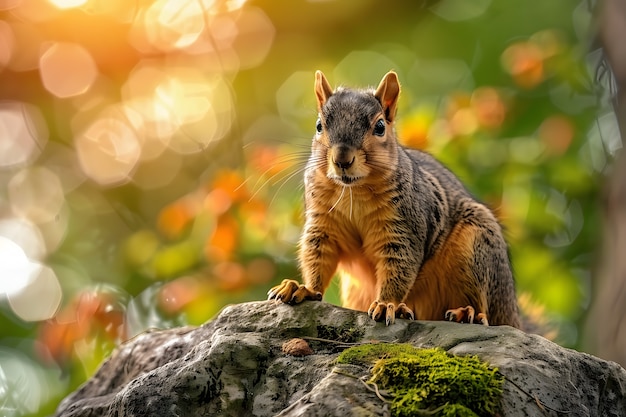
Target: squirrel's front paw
[[390, 310], [292, 292], [466, 315]]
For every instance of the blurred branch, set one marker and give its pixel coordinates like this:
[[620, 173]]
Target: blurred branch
[[608, 315]]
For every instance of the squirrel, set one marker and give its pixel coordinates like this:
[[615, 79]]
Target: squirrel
[[407, 238]]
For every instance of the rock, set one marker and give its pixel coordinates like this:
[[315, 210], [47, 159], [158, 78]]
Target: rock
[[235, 365]]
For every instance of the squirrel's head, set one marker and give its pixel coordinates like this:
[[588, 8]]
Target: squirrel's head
[[354, 136]]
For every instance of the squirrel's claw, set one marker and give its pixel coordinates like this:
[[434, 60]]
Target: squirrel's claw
[[466, 315], [403, 312], [390, 310], [481, 318], [292, 292]]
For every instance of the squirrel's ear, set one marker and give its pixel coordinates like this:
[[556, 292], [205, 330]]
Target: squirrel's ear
[[387, 93], [322, 89]]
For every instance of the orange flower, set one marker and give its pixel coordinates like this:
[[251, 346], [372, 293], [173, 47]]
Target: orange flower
[[177, 294], [233, 184], [222, 243], [557, 134], [461, 118], [268, 160], [231, 276], [524, 61], [488, 107], [91, 313], [174, 218], [413, 130]]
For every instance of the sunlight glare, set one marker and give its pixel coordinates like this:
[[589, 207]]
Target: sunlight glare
[[67, 4], [203, 108], [26, 235], [174, 24], [14, 267], [183, 108], [139, 101]]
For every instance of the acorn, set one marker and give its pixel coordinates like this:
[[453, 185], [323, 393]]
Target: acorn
[[297, 347]]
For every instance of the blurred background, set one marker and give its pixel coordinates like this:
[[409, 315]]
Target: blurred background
[[151, 155]]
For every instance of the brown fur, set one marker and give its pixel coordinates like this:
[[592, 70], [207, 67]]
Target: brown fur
[[406, 237]]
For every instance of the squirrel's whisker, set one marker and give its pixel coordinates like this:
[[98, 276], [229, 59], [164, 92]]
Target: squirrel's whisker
[[284, 181], [343, 190], [298, 157], [350, 203]]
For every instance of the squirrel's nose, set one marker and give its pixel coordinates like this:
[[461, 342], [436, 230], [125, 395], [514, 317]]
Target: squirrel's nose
[[343, 158], [345, 164]]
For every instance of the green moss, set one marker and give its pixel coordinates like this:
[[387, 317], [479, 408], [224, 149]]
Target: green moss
[[370, 353], [430, 381], [339, 334]]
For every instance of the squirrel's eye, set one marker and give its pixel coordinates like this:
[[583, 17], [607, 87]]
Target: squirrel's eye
[[379, 128], [318, 126]]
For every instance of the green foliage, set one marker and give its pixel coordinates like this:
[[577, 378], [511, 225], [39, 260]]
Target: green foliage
[[430, 381]]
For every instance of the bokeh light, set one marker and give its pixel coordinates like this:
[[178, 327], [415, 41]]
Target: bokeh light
[[108, 151], [67, 4], [32, 289], [40, 297], [489, 107], [179, 108], [24, 384], [524, 61], [26, 49], [174, 24], [36, 194], [26, 235], [15, 267], [254, 38], [23, 133], [67, 69], [36, 10], [7, 42], [557, 134]]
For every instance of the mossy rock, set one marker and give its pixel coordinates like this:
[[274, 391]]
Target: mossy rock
[[234, 365], [430, 381]]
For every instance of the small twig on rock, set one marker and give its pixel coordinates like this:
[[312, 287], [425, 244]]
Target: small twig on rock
[[319, 339], [373, 389], [346, 344]]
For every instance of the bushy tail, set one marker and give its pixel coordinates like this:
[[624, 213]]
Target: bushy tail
[[534, 318]]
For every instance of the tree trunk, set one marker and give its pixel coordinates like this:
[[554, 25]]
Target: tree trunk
[[606, 329]]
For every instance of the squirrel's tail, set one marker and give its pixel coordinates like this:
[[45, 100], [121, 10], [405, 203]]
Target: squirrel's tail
[[534, 318]]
